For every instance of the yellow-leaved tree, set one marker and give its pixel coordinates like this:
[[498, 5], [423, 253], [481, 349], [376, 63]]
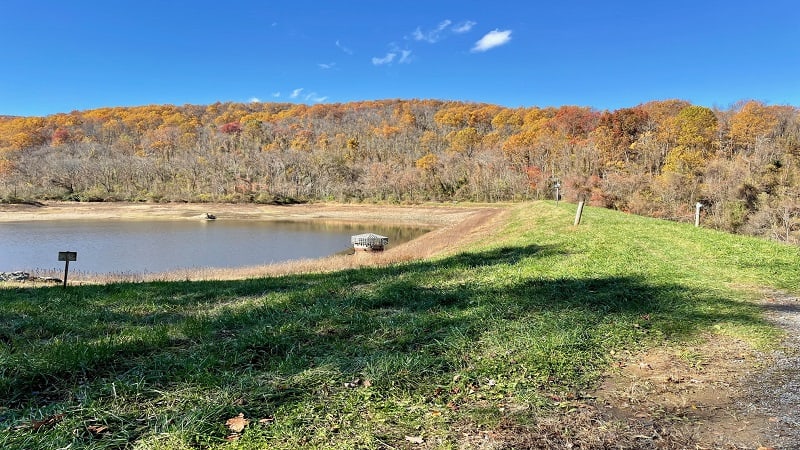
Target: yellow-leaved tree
[[693, 130]]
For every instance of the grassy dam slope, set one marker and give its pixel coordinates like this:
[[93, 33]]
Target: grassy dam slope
[[497, 345]]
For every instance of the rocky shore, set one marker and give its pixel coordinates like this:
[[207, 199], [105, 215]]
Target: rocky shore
[[25, 276]]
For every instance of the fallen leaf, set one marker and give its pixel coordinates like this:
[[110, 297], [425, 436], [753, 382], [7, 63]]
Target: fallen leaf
[[47, 422], [97, 429], [366, 383], [237, 424], [266, 421], [233, 437], [415, 439]]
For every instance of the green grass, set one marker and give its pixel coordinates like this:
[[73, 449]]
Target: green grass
[[484, 336]]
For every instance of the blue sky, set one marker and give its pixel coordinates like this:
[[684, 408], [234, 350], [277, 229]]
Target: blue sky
[[59, 56]]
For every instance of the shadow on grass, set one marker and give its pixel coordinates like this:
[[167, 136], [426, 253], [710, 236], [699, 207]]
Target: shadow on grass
[[278, 342]]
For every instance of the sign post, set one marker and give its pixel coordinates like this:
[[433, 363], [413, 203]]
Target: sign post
[[67, 257]]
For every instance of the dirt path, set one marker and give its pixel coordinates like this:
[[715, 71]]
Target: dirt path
[[776, 392]]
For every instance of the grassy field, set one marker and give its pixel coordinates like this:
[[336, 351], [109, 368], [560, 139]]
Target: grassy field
[[426, 354]]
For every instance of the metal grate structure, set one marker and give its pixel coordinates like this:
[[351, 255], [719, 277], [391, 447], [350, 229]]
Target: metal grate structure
[[369, 242]]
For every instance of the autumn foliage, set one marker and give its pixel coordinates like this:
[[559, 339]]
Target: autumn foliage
[[657, 158]]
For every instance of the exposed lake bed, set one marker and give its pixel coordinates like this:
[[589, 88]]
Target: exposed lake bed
[[244, 240]]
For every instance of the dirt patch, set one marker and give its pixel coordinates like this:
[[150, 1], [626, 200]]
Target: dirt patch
[[715, 393], [718, 393], [694, 397], [694, 391]]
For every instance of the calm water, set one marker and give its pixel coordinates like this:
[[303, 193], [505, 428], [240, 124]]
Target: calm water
[[112, 246]]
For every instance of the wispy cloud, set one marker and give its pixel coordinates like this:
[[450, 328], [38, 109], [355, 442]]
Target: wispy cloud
[[255, 100], [491, 40], [385, 60], [431, 36], [464, 27], [326, 66], [343, 48], [297, 94], [403, 54], [315, 98]]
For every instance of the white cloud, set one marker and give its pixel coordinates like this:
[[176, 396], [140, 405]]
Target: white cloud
[[464, 27], [491, 40], [431, 36], [343, 48], [385, 60], [326, 66], [405, 57], [255, 100], [314, 97], [297, 94]]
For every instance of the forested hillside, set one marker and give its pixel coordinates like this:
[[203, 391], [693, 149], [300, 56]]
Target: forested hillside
[[656, 159]]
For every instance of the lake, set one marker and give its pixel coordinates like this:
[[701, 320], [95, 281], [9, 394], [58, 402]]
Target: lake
[[137, 247]]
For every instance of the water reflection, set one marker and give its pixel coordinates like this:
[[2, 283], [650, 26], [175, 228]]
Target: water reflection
[[116, 246]]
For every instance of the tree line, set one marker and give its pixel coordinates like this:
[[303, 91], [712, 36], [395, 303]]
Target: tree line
[[657, 159]]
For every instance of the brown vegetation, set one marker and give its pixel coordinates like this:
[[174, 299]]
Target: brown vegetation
[[656, 159]]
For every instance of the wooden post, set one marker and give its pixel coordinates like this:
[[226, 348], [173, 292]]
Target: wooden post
[[67, 257], [66, 271], [697, 214], [579, 212]]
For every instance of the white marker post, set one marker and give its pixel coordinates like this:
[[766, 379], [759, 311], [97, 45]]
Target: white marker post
[[579, 211], [67, 257], [558, 191], [697, 214]]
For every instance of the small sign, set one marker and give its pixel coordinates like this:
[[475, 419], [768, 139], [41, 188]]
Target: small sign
[[67, 256]]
